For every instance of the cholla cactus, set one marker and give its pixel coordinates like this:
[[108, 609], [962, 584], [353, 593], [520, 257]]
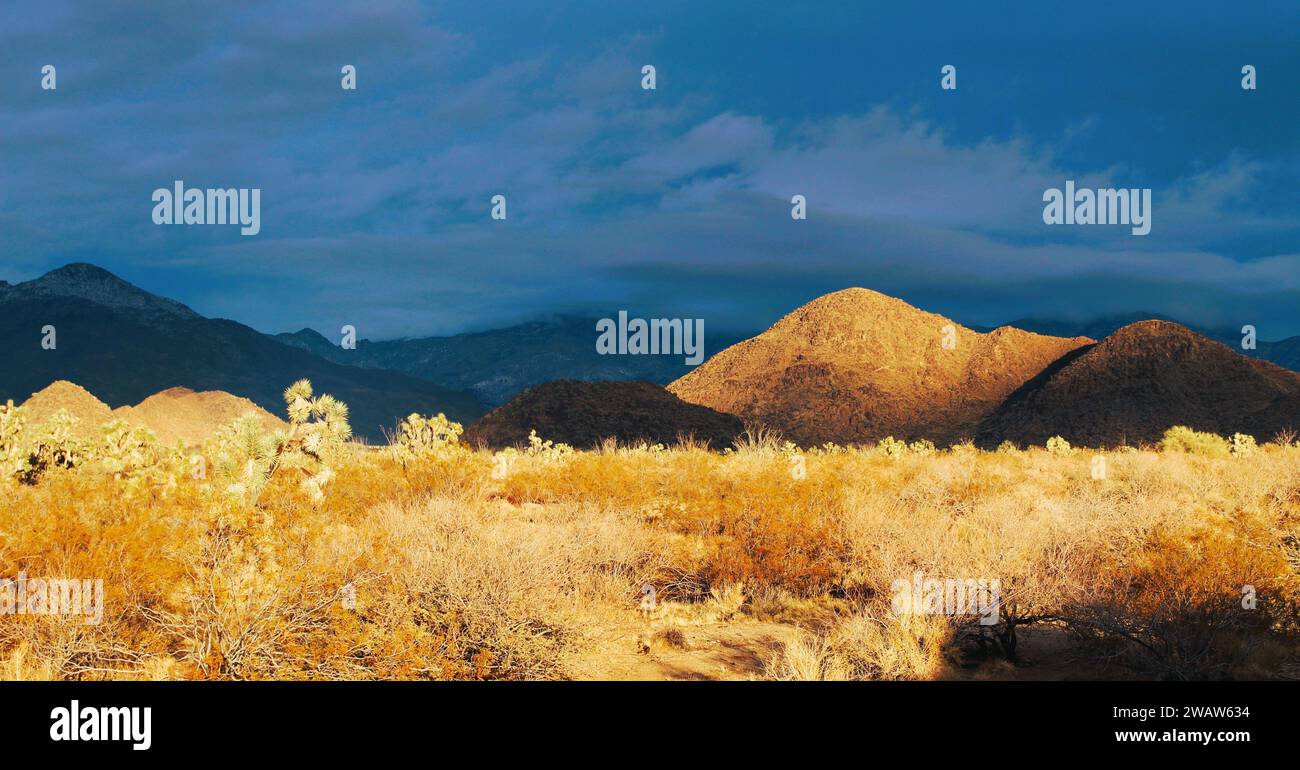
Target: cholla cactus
[[1242, 444], [13, 453], [53, 445], [923, 447], [419, 437], [13, 460], [547, 451], [318, 427], [1007, 448], [1058, 446], [125, 451], [830, 448], [891, 447]]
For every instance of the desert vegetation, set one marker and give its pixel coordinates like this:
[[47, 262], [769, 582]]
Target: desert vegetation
[[296, 553]]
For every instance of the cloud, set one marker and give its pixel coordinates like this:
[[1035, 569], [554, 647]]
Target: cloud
[[375, 202]]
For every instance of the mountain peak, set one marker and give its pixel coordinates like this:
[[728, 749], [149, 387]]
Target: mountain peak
[[90, 282], [855, 302], [856, 365], [308, 334]]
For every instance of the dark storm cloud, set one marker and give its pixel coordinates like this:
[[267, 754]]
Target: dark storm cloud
[[375, 203]]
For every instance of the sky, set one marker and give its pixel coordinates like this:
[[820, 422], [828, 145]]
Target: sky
[[672, 202]]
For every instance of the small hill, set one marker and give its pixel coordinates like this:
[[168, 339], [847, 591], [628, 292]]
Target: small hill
[[583, 414], [1140, 381], [91, 413], [855, 366], [180, 414]]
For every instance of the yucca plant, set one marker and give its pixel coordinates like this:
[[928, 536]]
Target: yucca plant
[[242, 455]]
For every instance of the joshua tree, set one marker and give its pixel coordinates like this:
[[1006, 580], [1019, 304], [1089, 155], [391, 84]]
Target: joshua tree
[[249, 455]]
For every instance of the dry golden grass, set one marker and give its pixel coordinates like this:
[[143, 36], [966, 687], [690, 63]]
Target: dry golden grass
[[460, 570]]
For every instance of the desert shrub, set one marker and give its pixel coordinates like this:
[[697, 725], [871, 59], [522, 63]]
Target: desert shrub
[[756, 438], [53, 444], [125, 451], [1058, 446], [1180, 438], [1204, 602], [1242, 444], [866, 646], [921, 448], [420, 438], [1007, 447], [891, 447], [13, 458]]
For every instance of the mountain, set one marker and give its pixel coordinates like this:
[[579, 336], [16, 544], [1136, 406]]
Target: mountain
[[855, 366], [88, 282], [124, 344], [496, 365], [1285, 353], [583, 414], [180, 414], [1140, 381]]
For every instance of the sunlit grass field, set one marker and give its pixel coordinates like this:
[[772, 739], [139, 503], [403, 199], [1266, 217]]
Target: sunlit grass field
[[303, 555]]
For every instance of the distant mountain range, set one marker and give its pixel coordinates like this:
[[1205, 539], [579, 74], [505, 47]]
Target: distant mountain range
[[499, 364], [124, 344], [852, 366], [496, 365]]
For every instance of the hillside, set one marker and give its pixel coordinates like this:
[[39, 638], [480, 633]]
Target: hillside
[[1143, 379], [89, 411], [856, 366], [181, 415]]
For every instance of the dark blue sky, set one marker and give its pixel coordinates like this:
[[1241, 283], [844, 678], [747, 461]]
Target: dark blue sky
[[667, 203]]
